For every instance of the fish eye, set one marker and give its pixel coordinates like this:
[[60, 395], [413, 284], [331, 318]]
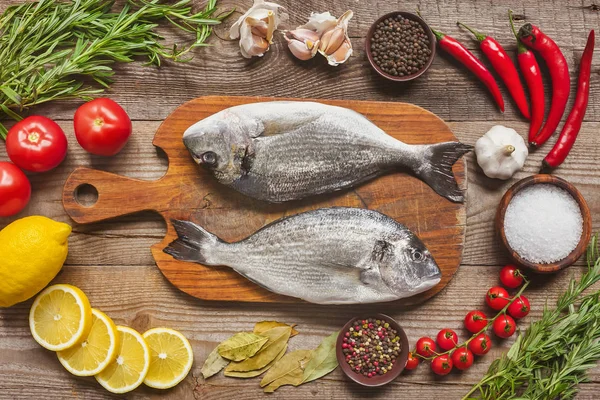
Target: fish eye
[[418, 255], [209, 158]]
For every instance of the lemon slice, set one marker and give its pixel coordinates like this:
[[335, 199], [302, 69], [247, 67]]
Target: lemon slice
[[130, 367], [60, 317], [96, 351], [171, 358]]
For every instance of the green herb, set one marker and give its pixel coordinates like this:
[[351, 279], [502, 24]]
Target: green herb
[[552, 357], [287, 371], [48, 47]]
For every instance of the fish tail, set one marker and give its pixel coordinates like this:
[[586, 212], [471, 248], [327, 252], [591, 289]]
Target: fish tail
[[193, 244], [437, 169]]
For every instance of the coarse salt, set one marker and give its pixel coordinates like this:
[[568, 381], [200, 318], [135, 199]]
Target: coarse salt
[[543, 223]]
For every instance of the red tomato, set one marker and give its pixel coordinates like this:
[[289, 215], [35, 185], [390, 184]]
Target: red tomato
[[497, 298], [441, 365], [15, 189], [425, 347], [36, 144], [475, 321], [504, 326], [462, 358], [447, 339], [102, 127], [480, 345], [511, 277], [412, 362], [519, 308]]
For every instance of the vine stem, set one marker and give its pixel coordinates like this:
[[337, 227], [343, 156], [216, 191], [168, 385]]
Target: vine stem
[[490, 323]]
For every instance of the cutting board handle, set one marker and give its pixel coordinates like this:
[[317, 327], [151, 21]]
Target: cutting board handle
[[116, 195]]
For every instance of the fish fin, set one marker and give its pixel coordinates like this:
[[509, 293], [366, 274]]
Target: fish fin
[[193, 243], [437, 169]]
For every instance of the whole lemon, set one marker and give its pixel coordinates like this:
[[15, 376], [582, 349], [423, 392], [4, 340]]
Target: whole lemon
[[32, 251]]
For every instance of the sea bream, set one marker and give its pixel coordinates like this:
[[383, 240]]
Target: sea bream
[[326, 256], [286, 150]]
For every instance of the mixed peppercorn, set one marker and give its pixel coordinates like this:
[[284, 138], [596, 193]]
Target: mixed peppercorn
[[371, 347], [400, 46]]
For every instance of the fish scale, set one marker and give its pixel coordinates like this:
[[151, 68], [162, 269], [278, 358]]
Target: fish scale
[[281, 151], [327, 256]]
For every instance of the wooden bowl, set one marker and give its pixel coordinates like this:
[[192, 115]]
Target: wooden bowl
[[432, 47], [378, 380], [585, 212]]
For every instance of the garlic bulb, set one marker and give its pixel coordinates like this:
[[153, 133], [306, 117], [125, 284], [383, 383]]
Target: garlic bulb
[[501, 152], [255, 28], [323, 33]]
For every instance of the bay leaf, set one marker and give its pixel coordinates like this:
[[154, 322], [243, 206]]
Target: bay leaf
[[263, 326], [323, 360], [213, 364], [241, 346], [287, 371], [252, 374], [277, 340]]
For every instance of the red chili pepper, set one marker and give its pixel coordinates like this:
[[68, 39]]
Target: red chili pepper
[[468, 59], [504, 67], [559, 72], [569, 132], [531, 72]]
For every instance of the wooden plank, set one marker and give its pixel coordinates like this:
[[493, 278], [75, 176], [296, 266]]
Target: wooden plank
[[140, 297], [128, 240], [447, 89]]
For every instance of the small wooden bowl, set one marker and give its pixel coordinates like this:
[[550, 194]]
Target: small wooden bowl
[[585, 213], [378, 380], [432, 46]]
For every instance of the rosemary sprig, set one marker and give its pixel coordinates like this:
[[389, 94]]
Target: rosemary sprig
[[48, 47], [552, 357]]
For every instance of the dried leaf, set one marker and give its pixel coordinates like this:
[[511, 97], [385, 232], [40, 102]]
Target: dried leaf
[[323, 360], [263, 326], [241, 346], [213, 364], [277, 340], [287, 371], [252, 374]]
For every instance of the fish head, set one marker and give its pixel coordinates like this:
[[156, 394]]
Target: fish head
[[220, 145], [408, 267]]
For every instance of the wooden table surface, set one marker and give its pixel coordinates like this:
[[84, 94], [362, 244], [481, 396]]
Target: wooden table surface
[[112, 263]]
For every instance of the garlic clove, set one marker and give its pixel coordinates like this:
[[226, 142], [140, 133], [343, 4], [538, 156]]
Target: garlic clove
[[302, 35], [259, 22], [258, 27], [302, 50], [341, 55], [320, 22], [302, 43], [332, 40]]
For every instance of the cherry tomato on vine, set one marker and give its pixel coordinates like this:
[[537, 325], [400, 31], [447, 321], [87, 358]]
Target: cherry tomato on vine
[[497, 298], [519, 308], [36, 144], [441, 365], [412, 362], [504, 326], [475, 321], [462, 358], [15, 189], [480, 345], [425, 347], [511, 277], [447, 339], [102, 127]]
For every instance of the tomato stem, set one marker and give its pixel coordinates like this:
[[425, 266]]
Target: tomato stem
[[490, 323]]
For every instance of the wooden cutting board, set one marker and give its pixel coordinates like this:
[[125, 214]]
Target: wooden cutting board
[[188, 192]]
